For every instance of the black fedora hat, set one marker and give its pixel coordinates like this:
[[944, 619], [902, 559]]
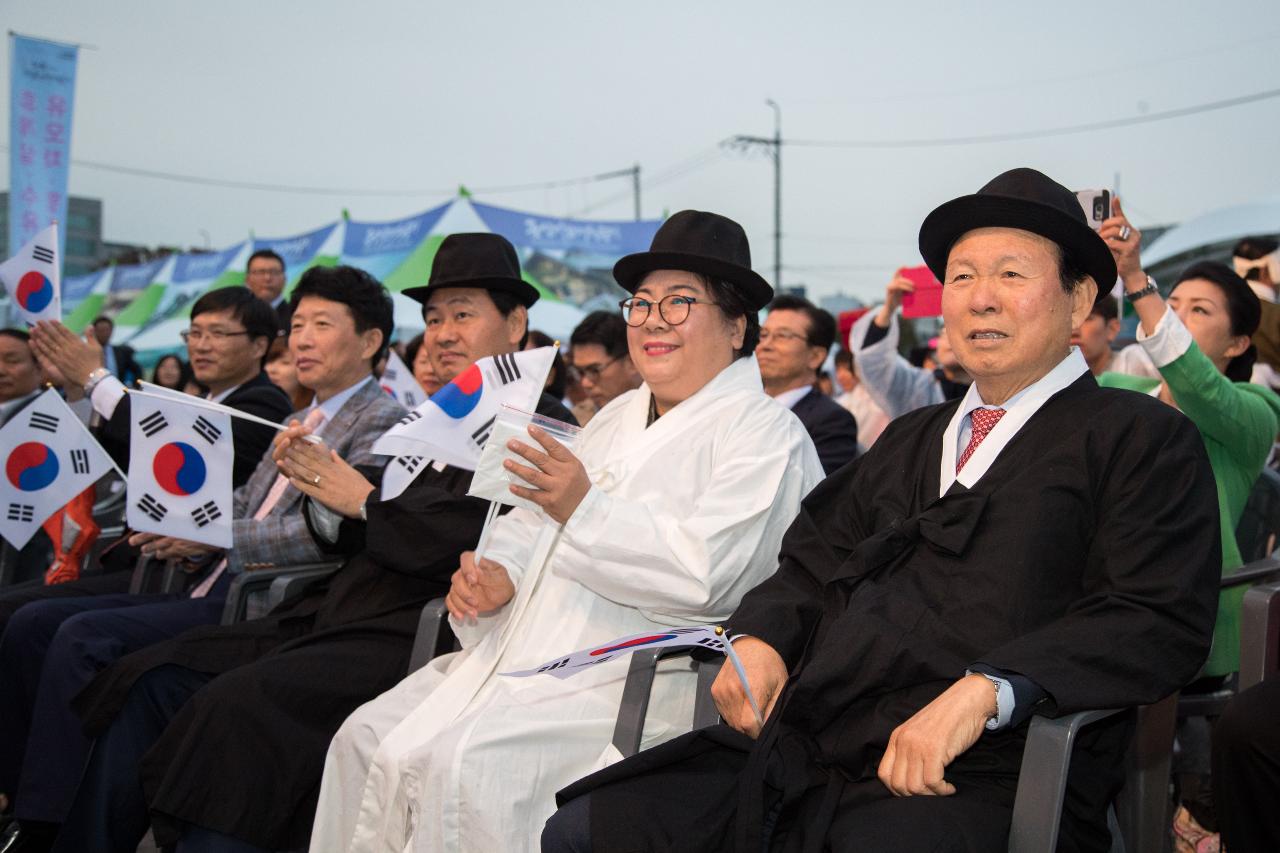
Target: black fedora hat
[[476, 260], [1024, 199], [698, 242]]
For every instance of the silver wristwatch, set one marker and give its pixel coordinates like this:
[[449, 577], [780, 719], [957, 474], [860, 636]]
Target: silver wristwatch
[[1146, 291], [95, 377]]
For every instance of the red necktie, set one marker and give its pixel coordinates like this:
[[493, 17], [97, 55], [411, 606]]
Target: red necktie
[[984, 420]]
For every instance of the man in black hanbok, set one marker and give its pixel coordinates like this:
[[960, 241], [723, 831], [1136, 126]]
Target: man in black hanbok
[[1040, 546]]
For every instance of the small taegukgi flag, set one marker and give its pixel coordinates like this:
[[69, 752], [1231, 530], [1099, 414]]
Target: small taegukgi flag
[[180, 461], [397, 380], [453, 424], [49, 457], [33, 277], [711, 637]]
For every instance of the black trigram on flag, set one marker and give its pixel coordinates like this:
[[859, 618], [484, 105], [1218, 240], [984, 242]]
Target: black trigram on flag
[[202, 515], [409, 418], [43, 255], [22, 512], [80, 461], [481, 435], [410, 463], [508, 370], [46, 422], [557, 665], [153, 423], [152, 507], [207, 431], [711, 643]]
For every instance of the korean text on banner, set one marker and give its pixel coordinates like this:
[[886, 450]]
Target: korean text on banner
[[42, 79]]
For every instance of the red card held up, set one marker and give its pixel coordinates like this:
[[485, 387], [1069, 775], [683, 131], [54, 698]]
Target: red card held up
[[926, 301]]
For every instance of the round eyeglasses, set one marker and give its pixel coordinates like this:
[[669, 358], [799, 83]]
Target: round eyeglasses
[[673, 309]]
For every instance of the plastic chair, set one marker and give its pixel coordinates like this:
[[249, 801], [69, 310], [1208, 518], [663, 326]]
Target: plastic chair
[[278, 583], [1138, 817], [434, 637]]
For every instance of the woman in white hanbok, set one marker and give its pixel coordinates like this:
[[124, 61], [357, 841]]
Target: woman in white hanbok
[[671, 506]]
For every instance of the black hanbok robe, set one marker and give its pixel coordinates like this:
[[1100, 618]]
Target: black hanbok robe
[[1086, 558], [245, 755]]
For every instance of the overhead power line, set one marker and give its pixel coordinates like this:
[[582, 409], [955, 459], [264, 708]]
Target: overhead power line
[[1014, 136], [342, 191]]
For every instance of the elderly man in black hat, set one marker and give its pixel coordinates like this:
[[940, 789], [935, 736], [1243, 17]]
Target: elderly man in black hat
[[670, 506], [1042, 545], [234, 720]]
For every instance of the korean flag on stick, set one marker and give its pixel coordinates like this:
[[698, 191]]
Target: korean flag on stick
[[397, 380], [454, 423], [33, 278], [49, 458], [180, 461]]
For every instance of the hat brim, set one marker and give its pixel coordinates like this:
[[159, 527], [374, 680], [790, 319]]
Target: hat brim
[[952, 220], [630, 271], [526, 294]]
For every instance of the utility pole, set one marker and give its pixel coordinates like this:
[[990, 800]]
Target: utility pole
[[774, 147], [635, 187]]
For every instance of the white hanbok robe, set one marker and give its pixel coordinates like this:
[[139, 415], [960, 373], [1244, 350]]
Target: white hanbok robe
[[683, 518]]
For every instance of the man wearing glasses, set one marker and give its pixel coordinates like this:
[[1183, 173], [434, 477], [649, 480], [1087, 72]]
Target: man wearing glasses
[[264, 276], [227, 342], [794, 341], [598, 354]]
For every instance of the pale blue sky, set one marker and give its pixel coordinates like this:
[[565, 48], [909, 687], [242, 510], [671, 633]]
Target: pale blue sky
[[428, 95]]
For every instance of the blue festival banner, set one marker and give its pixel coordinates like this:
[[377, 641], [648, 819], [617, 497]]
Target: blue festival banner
[[42, 80], [379, 248], [605, 238]]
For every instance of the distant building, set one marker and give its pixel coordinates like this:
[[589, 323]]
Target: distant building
[[85, 248], [838, 303]]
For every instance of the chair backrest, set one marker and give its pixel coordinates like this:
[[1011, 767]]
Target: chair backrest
[[1258, 532], [628, 731], [434, 637], [1260, 634]]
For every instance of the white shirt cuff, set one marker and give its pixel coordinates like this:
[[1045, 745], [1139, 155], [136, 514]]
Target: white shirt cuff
[[107, 394], [1169, 342]]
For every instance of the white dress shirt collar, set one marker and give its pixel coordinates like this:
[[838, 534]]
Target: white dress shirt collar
[[1018, 410], [795, 395], [331, 406]]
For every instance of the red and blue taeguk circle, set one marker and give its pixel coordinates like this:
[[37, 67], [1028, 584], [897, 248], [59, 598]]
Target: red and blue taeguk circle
[[631, 644], [35, 292], [179, 469], [31, 466], [460, 396]]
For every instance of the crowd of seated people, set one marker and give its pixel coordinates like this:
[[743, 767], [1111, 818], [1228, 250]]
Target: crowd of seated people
[[912, 561]]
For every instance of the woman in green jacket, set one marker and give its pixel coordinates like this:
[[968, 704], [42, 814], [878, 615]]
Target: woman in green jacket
[[1200, 341]]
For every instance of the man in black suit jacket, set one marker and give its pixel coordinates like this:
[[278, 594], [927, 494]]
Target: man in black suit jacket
[[794, 341], [118, 359], [265, 276]]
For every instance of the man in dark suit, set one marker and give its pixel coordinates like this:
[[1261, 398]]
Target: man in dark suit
[[265, 276], [794, 341], [1041, 545], [342, 318], [117, 358]]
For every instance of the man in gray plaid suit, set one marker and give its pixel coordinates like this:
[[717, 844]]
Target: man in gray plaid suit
[[342, 320]]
